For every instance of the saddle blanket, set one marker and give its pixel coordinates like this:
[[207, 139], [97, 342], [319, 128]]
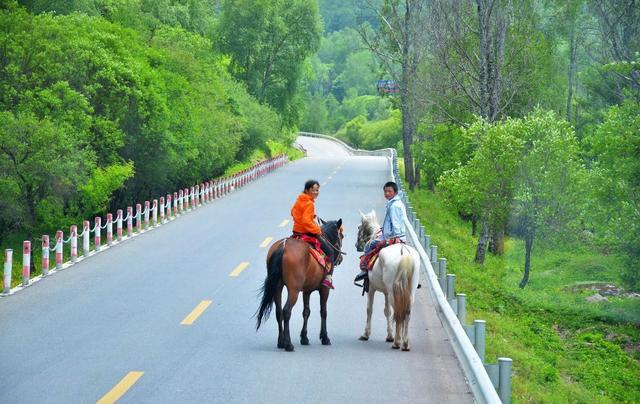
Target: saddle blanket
[[315, 249], [369, 260]]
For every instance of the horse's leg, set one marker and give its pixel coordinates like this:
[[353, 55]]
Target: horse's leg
[[292, 298], [278, 300], [388, 313], [398, 338], [367, 328], [305, 316], [324, 296], [405, 331]]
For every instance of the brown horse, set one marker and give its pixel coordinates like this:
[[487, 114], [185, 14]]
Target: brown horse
[[290, 264]]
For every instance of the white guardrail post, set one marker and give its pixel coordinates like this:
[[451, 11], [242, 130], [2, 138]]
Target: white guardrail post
[[8, 268], [45, 255], [26, 262]]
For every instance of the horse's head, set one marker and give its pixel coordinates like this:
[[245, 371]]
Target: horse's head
[[333, 232], [367, 229]]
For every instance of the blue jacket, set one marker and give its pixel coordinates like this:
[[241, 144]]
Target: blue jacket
[[393, 225]]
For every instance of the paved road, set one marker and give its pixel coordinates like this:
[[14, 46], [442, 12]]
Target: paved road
[[74, 336]]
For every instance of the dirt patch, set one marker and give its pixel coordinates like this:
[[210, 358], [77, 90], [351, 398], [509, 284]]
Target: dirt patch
[[602, 288]]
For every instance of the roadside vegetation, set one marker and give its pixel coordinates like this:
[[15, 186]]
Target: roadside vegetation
[[564, 348], [107, 103]]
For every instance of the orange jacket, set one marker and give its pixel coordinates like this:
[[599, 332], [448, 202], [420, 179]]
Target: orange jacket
[[303, 212]]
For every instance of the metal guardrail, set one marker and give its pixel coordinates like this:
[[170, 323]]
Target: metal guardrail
[[489, 383]]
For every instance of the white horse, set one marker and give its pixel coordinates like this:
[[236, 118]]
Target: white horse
[[396, 274]]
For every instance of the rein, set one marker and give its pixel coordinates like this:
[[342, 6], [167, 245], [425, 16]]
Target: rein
[[338, 250]]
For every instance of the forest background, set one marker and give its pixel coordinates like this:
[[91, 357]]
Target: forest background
[[518, 122]]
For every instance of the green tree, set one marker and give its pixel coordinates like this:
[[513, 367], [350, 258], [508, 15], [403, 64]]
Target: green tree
[[268, 42], [548, 181], [41, 167], [615, 210]]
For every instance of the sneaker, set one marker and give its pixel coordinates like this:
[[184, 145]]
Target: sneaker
[[327, 282], [363, 274]]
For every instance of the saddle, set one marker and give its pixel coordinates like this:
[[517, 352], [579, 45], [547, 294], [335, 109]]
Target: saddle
[[315, 250], [371, 258]]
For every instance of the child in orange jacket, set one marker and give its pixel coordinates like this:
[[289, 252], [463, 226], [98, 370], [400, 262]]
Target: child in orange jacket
[[304, 220]]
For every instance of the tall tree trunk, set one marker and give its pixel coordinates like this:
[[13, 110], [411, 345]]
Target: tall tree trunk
[[572, 69], [407, 141], [496, 243], [481, 250], [474, 226], [528, 244], [493, 24]]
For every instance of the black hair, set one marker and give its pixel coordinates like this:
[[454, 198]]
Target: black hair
[[391, 184], [310, 183]]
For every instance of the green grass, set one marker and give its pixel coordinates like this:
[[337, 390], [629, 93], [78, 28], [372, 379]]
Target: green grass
[[564, 349]]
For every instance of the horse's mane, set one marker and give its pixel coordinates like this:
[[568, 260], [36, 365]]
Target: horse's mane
[[371, 221]]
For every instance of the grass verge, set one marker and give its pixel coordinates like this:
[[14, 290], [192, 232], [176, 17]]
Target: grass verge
[[564, 348]]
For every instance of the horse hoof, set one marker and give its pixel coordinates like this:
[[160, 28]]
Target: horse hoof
[[326, 341], [406, 349], [394, 346], [389, 339], [363, 338], [289, 348], [304, 341], [280, 345]]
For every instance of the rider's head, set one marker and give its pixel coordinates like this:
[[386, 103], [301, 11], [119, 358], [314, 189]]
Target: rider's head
[[312, 187], [390, 189]]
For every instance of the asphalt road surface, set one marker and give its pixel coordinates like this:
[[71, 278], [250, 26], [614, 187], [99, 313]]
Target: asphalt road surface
[[118, 324]]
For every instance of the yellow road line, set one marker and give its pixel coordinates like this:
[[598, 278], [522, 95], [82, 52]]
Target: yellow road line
[[283, 223], [238, 269], [266, 242], [193, 316], [121, 388]]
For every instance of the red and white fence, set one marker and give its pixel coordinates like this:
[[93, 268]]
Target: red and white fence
[[174, 205]]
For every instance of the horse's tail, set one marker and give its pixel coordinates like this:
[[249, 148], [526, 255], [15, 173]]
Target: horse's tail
[[270, 286], [402, 288]]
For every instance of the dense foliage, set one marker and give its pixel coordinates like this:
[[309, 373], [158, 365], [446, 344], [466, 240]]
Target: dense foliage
[[107, 103]]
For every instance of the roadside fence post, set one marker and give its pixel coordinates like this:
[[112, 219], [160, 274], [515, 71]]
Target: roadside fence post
[[442, 274], [98, 233], [481, 330], [138, 217], [119, 224], [74, 243], [451, 285], [109, 229], [154, 211], [147, 210], [129, 221], [162, 209], [86, 234], [504, 384], [8, 264], [462, 308], [45, 255], [26, 262], [59, 249]]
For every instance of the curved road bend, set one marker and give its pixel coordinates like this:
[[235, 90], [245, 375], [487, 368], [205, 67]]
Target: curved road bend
[[82, 334]]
